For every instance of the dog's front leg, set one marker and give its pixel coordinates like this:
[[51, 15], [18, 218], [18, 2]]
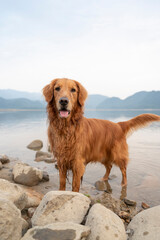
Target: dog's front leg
[[78, 171], [62, 179]]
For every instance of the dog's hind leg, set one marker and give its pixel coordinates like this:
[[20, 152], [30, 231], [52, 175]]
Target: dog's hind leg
[[108, 169]]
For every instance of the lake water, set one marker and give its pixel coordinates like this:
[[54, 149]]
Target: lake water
[[19, 128]]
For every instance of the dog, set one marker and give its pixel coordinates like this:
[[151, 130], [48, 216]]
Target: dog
[[76, 141]]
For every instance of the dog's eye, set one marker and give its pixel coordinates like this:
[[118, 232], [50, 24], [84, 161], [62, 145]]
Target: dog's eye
[[73, 90], [57, 88]]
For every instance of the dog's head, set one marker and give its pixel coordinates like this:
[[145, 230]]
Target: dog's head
[[67, 95]]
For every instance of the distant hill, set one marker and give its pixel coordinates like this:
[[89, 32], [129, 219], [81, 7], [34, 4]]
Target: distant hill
[[25, 100], [20, 103], [94, 100], [14, 94], [140, 100]]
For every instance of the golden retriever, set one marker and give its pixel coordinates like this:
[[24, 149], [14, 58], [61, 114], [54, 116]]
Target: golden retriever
[[75, 140]]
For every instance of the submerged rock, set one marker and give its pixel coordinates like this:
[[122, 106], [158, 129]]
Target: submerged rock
[[58, 231], [104, 224], [26, 175], [61, 206], [43, 154], [35, 145], [45, 159], [10, 221], [129, 202], [4, 159]]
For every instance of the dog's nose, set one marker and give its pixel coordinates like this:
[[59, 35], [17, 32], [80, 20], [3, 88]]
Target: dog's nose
[[64, 101]]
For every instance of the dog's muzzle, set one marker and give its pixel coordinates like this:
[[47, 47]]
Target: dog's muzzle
[[64, 112]]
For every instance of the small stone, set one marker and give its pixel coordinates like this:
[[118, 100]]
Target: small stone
[[4, 159], [113, 176], [124, 215], [44, 154], [30, 212], [145, 205], [103, 186], [35, 145], [45, 159], [56, 166], [129, 202], [45, 176]]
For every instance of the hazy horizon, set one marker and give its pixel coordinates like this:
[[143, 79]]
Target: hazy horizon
[[111, 47]]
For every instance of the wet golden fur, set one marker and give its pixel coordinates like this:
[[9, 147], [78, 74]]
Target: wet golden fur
[[75, 141]]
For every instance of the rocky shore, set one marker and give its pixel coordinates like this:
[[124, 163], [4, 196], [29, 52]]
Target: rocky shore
[[32, 208]]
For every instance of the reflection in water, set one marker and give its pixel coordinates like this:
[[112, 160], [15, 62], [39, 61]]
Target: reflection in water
[[19, 128], [123, 192]]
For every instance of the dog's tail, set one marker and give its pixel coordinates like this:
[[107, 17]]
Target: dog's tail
[[138, 122]]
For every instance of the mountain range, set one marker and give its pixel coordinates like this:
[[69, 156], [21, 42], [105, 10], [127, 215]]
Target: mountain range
[[12, 99]]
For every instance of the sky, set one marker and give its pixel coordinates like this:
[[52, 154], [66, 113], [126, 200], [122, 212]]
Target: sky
[[110, 47]]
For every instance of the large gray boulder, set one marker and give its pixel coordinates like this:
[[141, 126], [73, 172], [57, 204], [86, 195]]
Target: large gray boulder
[[104, 224], [58, 231], [10, 221], [61, 206], [145, 225], [13, 193], [26, 175]]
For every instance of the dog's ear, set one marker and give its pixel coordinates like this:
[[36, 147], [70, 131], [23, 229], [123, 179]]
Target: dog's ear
[[48, 91], [82, 94]]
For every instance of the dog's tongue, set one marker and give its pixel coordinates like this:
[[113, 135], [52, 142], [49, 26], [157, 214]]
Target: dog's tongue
[[64, 114]]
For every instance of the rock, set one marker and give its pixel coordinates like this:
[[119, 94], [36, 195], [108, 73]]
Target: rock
[[146, 225], [56, 166], [129, 202], [61, 206], [35, 145], [25, 226], [124, 215], [0, 165], [22, 197], [113, 176], [31, 211], [103, 186], [49, 148], [45, 176], [26, 175], [34, 198], [13, 193], [58, 231], [104, 224], [10, 221], [45, 159], [115, 205], [145, 205], [4, 159], [43, 154]]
